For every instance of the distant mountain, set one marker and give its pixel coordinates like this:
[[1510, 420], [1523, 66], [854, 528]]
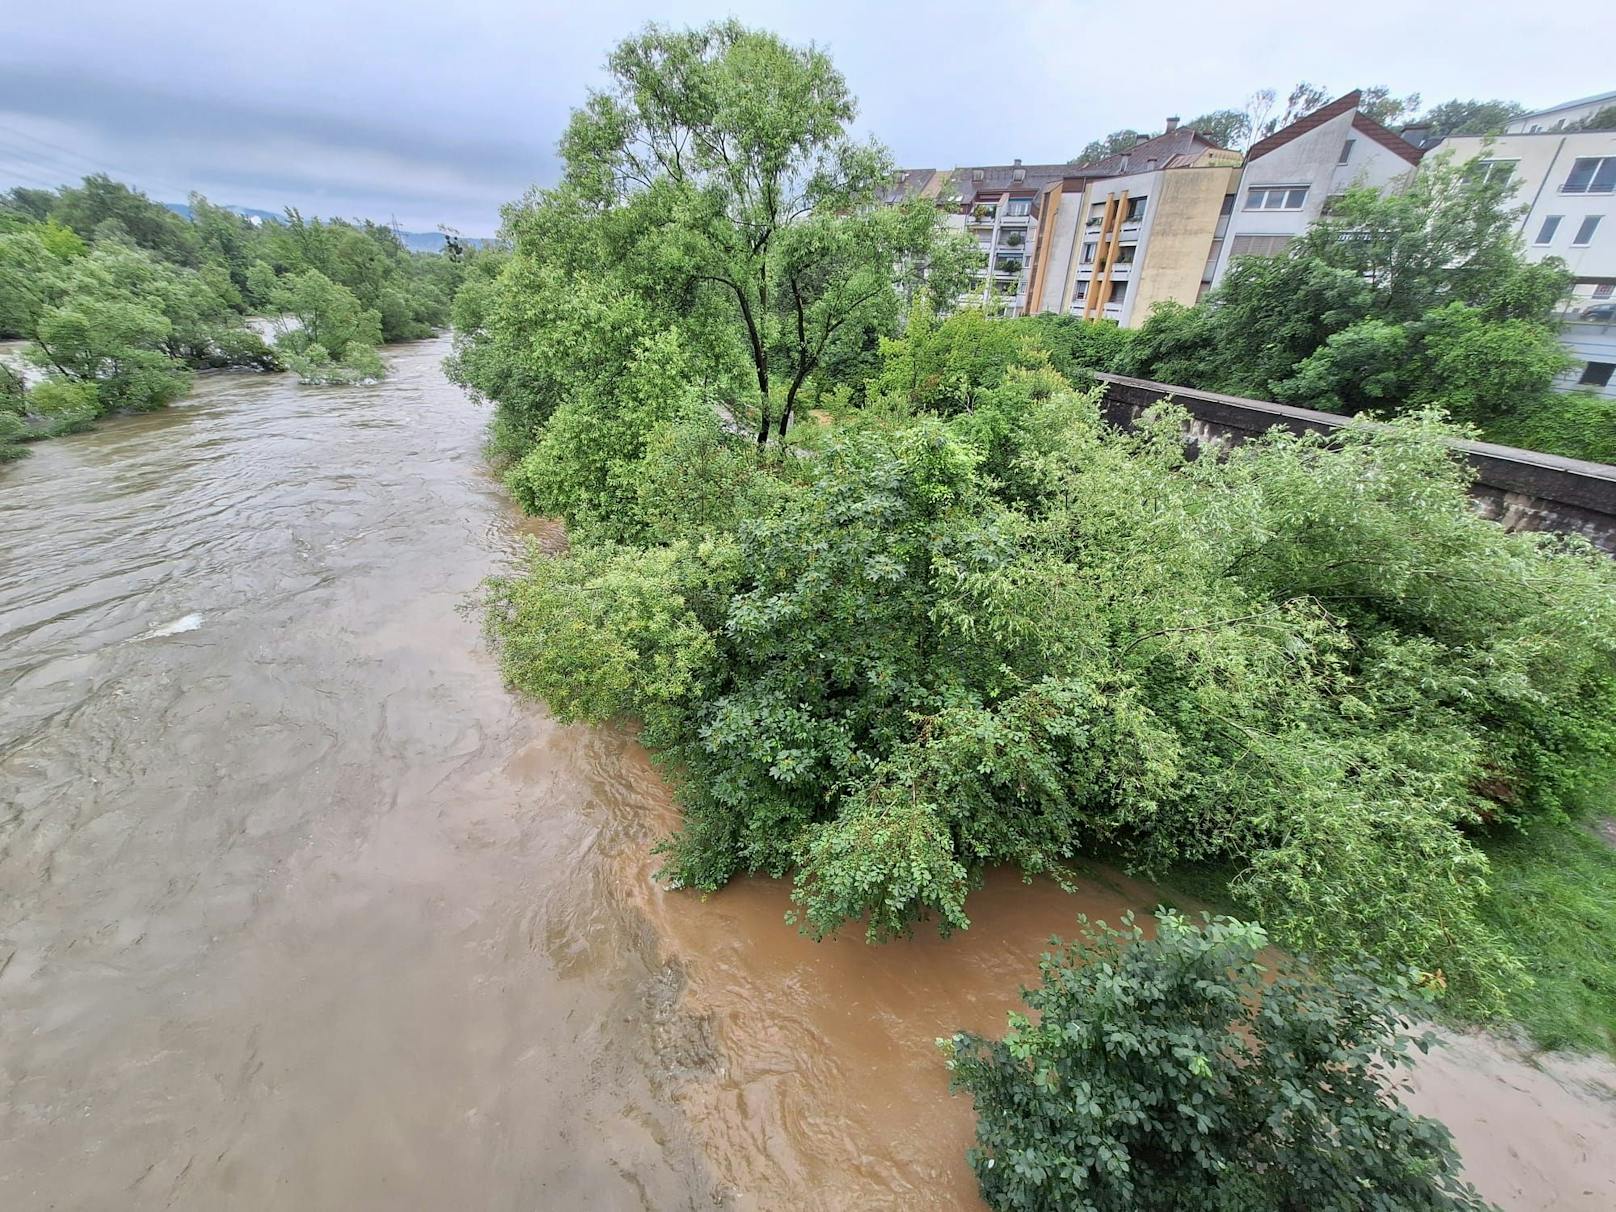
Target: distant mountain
[[416, 241]]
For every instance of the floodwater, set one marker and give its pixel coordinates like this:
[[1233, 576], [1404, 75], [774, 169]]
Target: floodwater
[[300, 909]]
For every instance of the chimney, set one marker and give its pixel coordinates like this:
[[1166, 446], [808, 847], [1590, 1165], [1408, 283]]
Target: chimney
[[1017, 163], [1172, 124], [1141, 139]]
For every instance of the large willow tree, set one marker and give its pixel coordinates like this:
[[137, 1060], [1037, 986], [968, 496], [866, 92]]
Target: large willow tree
[[714, 185]]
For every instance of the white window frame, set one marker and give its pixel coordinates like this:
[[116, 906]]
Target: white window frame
[[1585, 231], [1599, 163], [1283, 192], [1346, 151], [1486, 168], [1549, 229]]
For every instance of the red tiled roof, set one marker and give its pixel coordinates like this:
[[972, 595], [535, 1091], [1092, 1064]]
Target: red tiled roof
[[1390, 140]]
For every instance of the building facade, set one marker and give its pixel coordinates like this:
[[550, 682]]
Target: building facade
[[1290, 177], [1559, 117], [1565, 186], [1111, 247]]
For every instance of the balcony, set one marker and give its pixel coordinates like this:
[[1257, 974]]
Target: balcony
[[1015, 220]]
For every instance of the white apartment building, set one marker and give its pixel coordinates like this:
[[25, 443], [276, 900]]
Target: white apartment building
[[1290, 177], [1565, 183], [1558, 117]]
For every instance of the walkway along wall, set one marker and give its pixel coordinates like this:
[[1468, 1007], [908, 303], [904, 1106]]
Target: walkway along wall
[[1521, 489]]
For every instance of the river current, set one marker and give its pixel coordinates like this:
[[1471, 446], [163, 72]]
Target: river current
[[300, 909]]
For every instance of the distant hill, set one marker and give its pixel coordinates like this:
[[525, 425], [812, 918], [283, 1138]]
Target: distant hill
[[417, 241]]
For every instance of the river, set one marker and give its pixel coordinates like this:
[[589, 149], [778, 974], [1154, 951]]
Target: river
[[300, 909]]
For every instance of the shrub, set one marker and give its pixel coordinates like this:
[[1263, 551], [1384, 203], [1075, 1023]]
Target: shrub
[[1167, 1073]]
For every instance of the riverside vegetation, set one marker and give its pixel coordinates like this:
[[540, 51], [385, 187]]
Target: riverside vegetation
[[953, 619], [892, 604], [122, 300]]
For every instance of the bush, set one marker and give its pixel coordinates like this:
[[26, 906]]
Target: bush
[[1573, 424], [1169, 1074]]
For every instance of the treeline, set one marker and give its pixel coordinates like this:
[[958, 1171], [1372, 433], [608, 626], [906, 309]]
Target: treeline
[[1390, 305], [122, 300], [948, 618]]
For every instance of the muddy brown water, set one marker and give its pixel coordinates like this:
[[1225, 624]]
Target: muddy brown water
[[300, 909]]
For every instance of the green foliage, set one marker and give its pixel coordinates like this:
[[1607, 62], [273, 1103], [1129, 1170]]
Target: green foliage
[[1171, 1073], [1554, 896], [584, 466], [121, 298], [965, 623], [1471, 117], [713, 189], [1575, 424], [942, 366], [1393, 303], [1077, 346]]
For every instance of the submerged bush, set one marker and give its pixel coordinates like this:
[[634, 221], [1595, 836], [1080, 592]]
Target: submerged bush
[[931, 646], [1169, 1073]]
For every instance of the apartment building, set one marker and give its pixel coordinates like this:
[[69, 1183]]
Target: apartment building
[[1558, 117], [1565, 184], [1290, 177], [993, 204], [1123, 233]]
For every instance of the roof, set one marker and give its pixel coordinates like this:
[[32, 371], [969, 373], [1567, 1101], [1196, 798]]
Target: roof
[[1171, 150], [1596, 99], [997, 179], [1362, 123], [911, 183]]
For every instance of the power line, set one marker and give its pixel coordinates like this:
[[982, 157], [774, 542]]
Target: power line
[[95, 165]]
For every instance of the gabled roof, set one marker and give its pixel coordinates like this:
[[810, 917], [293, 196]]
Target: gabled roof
[[1181, 145], [1362, 123], [1390, 140], [1301, 126]]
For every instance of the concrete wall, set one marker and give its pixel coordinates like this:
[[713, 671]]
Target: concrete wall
[[1521, 489]]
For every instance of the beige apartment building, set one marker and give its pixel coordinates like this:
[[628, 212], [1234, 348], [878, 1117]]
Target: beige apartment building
[[1110, 247]]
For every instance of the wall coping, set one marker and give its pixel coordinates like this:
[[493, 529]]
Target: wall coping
[[1579, 481]]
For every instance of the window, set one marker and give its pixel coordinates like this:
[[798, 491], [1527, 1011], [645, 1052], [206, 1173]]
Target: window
[[1136, 210], [1596, 374], [1492, 172], [1125, 254], [1080, 291], [1545, 234], [1603, 290], [1346, 151], [1228, 205], [1258, 246], [1585, 233], [1119, 291], [1591, 175], [1019, 206], [1276, 197], [1088, 254]]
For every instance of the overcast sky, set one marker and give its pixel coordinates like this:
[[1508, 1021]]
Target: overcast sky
[[441, 113]]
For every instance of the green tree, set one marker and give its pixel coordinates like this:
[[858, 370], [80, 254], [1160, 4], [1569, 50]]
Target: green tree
[[1471, 117], [1225, 127], [720, 168], [99, 200], [1604, 119], [1116, 142], [1170, 1072]]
